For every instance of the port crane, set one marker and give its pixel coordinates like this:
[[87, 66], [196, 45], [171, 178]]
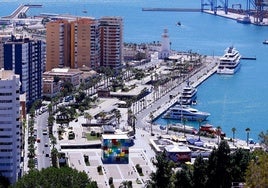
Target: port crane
[[255, 8]]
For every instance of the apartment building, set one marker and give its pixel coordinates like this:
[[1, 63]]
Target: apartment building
[[58, 44], [86, 42], [10, 125], [111, 41], [85, 45], [26, 58]]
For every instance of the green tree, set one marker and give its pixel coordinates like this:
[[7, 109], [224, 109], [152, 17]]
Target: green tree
[[233, 130], [219, 166], [183, 177], [200, 177], [161, 178], [239, 162], [257, 171], [88, 117], [55, 177], [263, 138], [151, 118]]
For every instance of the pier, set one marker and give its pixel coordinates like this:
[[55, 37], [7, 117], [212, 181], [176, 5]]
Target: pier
[[20, 10]]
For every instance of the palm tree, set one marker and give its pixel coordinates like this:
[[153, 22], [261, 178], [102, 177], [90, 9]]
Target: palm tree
[[184, 124], [88, 117], [247, 131], [199, 124], [218, 132], [152, 118], [117, 116], [233, 130]]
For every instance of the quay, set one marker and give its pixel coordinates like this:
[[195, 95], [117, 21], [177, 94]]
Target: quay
[[158, 107], [173, 9], [21, 9]]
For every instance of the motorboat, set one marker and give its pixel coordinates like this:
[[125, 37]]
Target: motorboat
[[229, 62], [183, 112], [265, 41], [208, 128], [188, 95], [244, 20]]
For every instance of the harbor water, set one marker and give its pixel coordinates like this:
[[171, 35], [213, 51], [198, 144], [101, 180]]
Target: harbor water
[[234, 101]]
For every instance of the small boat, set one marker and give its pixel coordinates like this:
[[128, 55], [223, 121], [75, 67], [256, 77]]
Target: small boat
[[178, 24], [182, 112], [229, 62], [265, 41], [211, 130], [244, 20], [85, 11], [188, 96]]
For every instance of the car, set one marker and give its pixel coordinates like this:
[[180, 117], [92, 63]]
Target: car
[[46, 145], [38, 140], [47, 155]]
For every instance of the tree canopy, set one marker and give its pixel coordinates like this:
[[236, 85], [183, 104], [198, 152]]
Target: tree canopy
[[55, 177]]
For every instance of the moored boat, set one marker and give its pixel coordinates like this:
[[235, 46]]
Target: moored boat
[[229, 62], [188, 95], [182, 112], [265, 41]]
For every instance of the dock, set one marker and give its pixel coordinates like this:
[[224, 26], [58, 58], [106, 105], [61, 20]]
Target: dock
[[173, 9], [248, 58]]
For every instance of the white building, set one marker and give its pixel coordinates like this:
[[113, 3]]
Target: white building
[[10, 125], [165, 45]]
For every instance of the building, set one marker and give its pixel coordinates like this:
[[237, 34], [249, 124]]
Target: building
[[111, 41], [115, 148], [26, 58], [165, 46], [57, 44], [85, 44], [52, 87], [10, 126], [178, 153]]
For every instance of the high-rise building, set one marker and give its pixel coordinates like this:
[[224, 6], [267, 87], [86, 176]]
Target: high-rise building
[[85, 45], [111, 41], [26, 58], [10, 125], [84, 42], [57, 44]]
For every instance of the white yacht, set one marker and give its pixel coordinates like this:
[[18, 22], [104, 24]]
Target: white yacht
[[188, 95], [229, 62], [184, 112]]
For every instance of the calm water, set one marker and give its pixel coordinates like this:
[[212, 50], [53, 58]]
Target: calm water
[[234, 101]]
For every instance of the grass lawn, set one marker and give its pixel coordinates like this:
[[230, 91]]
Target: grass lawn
[[89, 137]]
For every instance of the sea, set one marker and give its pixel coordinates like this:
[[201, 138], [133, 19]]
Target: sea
[[238, 100]]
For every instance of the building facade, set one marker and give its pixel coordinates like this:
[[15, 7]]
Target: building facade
[[57, 44], [85, 45], [26, 58], [10, 126], [111, 41], [85, 42], [115, 148]]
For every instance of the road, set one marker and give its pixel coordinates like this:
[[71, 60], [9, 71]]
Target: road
[[43, 148]]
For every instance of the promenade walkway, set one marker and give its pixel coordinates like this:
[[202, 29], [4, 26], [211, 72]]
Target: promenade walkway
[[163, 102]]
